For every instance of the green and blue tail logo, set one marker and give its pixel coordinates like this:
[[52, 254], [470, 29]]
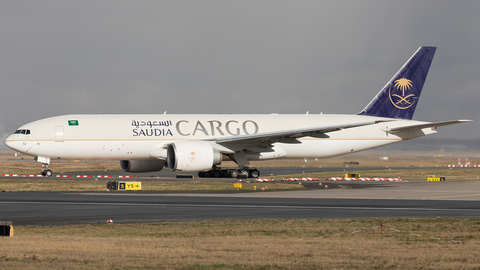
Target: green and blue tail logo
[[399, 97]]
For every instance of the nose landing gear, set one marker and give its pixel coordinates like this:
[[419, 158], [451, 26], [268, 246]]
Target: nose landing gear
[[46, 172], [46, 161]]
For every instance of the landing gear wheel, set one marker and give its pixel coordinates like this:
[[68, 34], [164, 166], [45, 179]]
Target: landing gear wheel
[[47, 173], [254, 173], [234, 174], [244, 172], [216, 173]]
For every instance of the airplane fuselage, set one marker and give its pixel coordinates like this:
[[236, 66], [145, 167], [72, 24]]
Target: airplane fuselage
[[139, 137]]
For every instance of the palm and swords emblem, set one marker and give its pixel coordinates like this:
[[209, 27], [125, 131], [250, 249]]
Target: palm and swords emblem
[[402, 101]]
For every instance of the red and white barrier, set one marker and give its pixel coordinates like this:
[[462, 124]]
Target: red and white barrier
[[9, 175], [309, 179], [124, 176], [84, 176], [104, 176], [365, 179], [301, 179], [461, 166], [264, 180], [32, 175], [63, 175]]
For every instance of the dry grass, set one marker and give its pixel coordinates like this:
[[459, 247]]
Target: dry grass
[[250, 244], [31, 167], [48, 185]]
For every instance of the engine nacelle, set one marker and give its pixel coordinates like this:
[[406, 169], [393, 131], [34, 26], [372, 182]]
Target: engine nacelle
[[142, 165], [191, 156]]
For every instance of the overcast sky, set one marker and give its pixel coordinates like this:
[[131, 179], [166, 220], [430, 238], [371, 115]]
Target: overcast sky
[[68, 57]]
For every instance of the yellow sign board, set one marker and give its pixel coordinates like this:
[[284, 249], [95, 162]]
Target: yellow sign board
[[237, 185], [129, 185], [435, 178]]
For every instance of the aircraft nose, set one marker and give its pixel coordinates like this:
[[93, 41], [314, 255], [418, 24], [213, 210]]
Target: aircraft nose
[[9, 142]]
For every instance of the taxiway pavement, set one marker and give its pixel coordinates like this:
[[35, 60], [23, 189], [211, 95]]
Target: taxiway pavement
[[353, 200]]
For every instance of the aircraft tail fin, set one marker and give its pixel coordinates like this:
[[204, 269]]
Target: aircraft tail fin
[[399, 97]]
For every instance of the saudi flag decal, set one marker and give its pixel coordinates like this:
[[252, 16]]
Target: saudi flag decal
[[73, 122]]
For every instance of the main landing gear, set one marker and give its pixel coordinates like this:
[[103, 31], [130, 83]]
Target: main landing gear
[[230, 172], [241, 159]]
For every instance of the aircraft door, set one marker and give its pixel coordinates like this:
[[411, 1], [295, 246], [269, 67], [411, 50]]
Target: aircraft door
[[59, 134]]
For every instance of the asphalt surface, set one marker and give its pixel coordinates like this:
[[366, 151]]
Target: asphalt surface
[[25, 208]]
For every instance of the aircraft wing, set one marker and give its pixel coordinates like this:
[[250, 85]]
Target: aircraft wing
[[422, 126], [289, 135]]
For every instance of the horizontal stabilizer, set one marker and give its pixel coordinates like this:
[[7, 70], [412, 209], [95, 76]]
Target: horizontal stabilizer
[[422, 126]]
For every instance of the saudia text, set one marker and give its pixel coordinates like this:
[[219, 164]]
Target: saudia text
[[151, 128]]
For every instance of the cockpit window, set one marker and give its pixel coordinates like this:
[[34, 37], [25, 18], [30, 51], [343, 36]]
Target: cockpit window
[[23, 131]]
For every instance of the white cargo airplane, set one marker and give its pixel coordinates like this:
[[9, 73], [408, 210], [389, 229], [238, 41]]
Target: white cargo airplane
[[198, 143]]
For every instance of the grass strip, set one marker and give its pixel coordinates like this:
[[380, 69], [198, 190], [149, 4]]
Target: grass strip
[[54, 185], [246, 244]]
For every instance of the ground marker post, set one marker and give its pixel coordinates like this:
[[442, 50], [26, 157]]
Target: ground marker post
[[6, 228]]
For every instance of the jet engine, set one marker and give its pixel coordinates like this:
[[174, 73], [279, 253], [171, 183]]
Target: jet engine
[[142, 165], [191, 156]]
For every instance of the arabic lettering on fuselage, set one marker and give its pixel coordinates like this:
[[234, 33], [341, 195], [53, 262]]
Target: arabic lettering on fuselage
[[195, 128], [149, 128], [151, 123]]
